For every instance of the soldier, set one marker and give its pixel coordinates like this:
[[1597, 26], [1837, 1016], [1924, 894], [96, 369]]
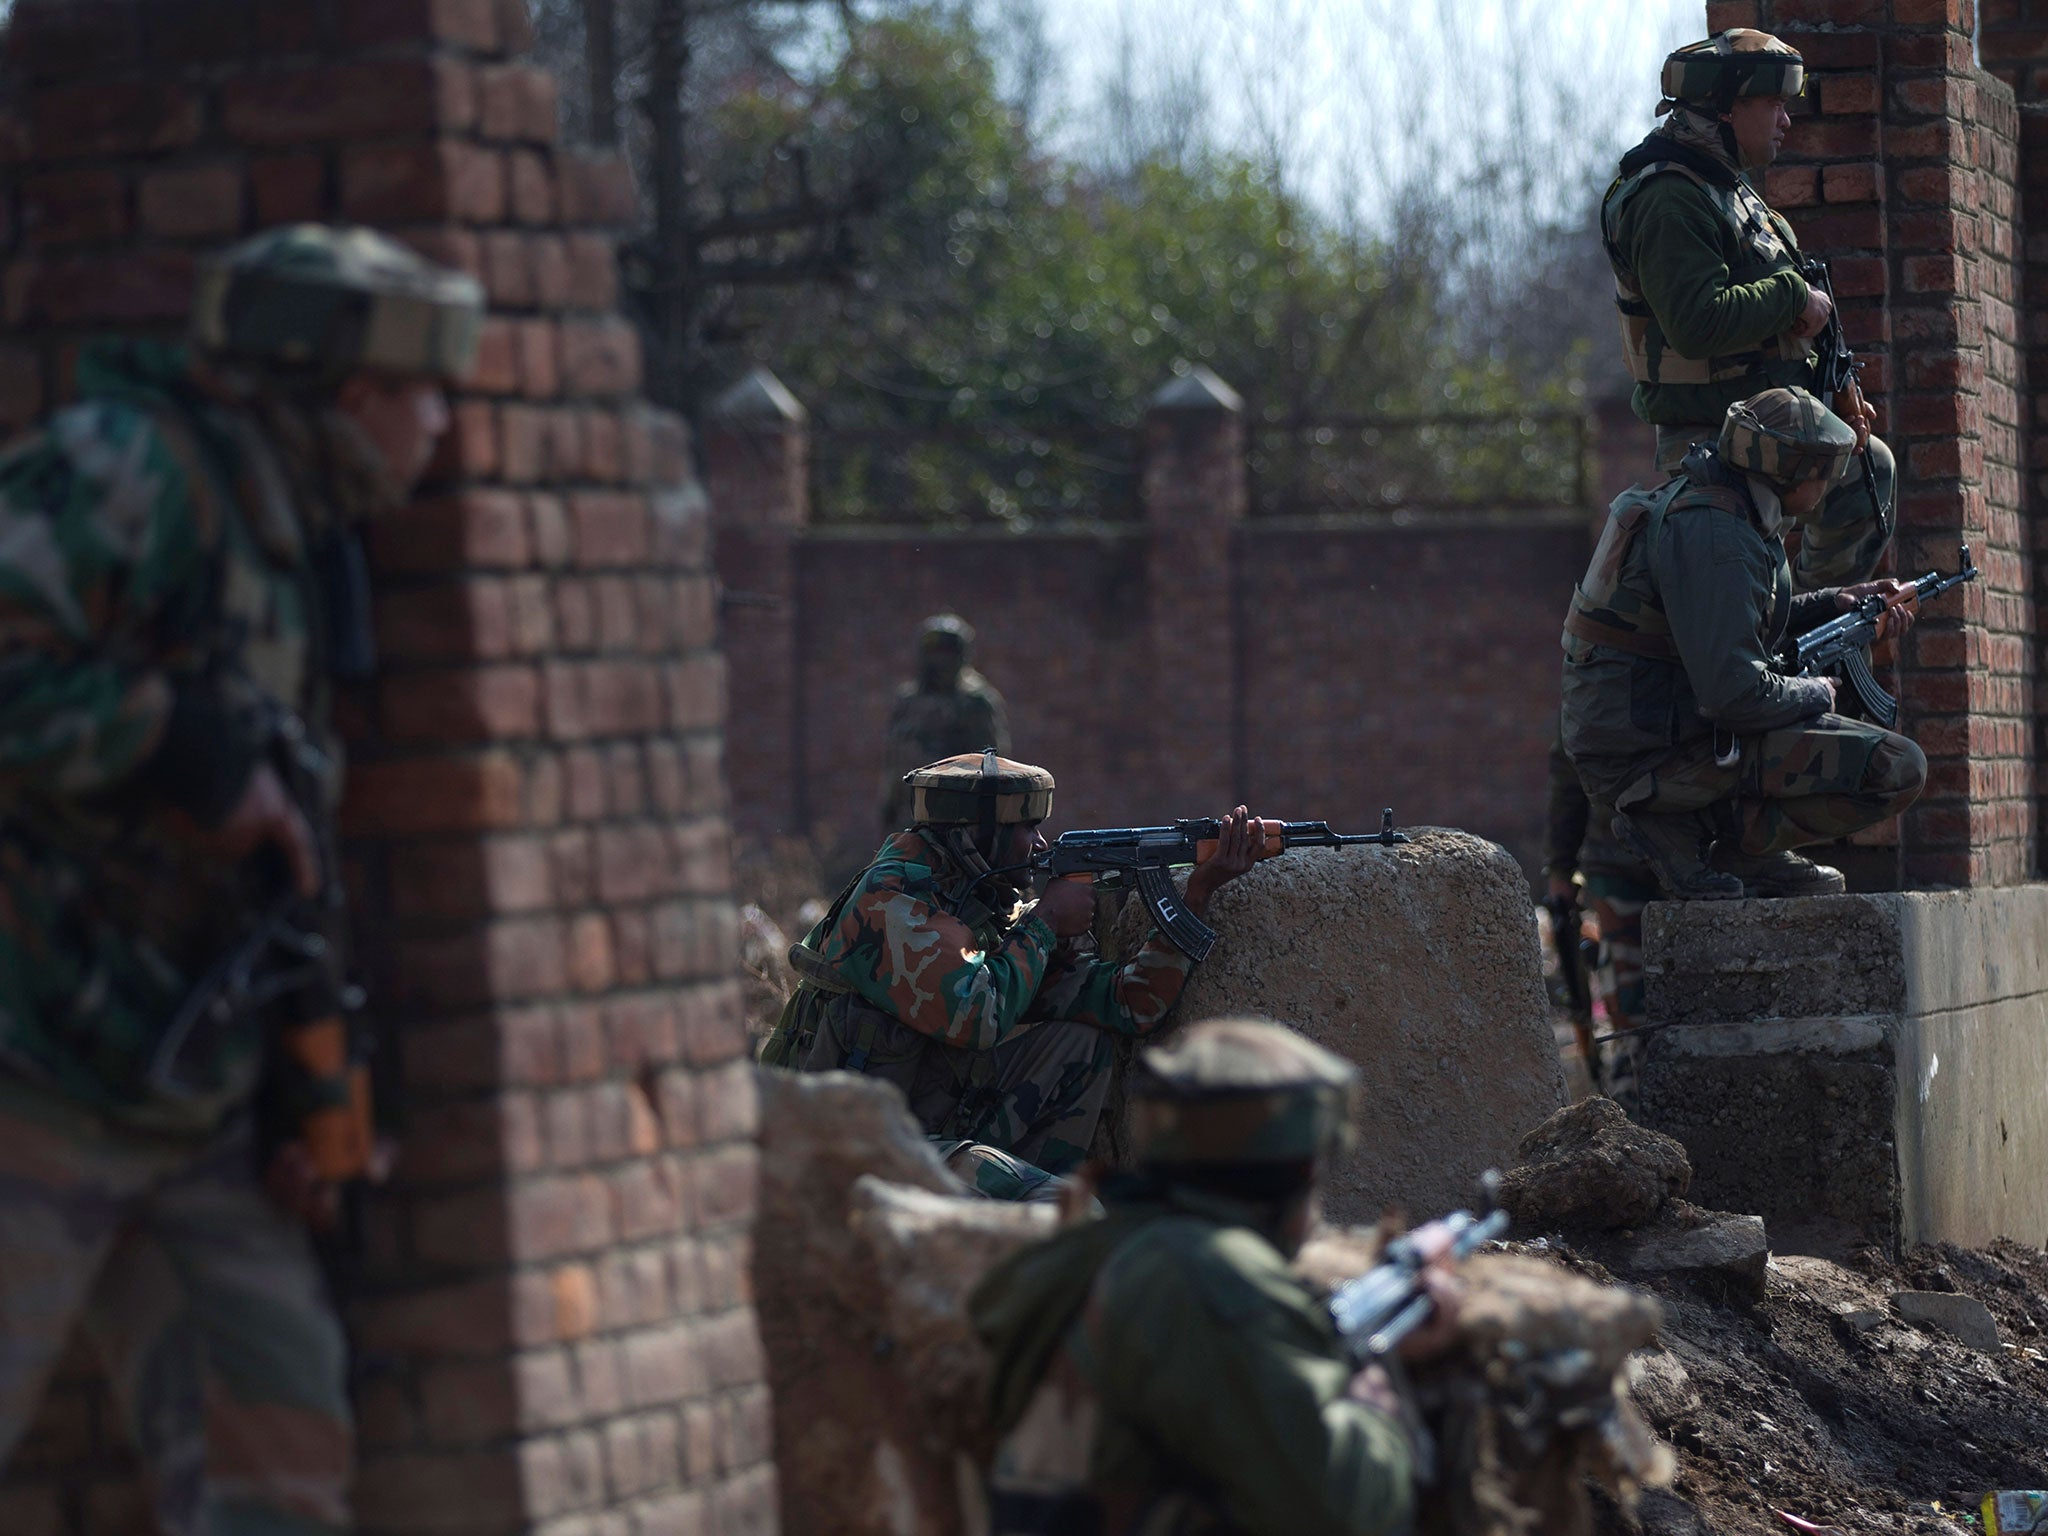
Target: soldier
[[992, 1014], [948, 709], [1713, 308], [180, 580], [1673, 713], [1161, 1369]]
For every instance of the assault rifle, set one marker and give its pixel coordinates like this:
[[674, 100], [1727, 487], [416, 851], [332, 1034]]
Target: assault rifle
[[1577, 958], [1843, 644], [1835, 368], [1145, 857], [1379, 1309]]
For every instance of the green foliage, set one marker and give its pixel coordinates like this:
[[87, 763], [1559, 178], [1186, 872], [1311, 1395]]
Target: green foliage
[[1021, 311]]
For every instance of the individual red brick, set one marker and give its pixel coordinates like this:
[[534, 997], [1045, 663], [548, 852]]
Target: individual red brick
[[110, 118], [590, 953], [1791, 186], [1927, 141], [76, 207], [1927, 12], [74, 41], [1933, 274], [467, 23], [497, 361], [523, 454], [1842, 13], [461, 705], [469, 528], [349, 101], [1723, 14], [422, 181], [600, 356], [134, 287], [1826, 138], [515, 27], [1849, 93], [508, 270], [696, 693], [610, 528], [532, 187], [592, 278], [407, 798], [595, 187], [288, 188], [1850, 183], [551, 271]]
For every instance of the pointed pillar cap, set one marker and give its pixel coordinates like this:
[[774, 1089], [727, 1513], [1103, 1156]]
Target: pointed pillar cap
[[1197, 389], [760, 399]]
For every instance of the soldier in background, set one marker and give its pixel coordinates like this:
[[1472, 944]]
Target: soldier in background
[[1673, 713], [1713, 307], [992, 1013], [1161, 1369], [947, 709], [181, 582]]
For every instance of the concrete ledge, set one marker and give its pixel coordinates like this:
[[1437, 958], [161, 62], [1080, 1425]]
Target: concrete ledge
[[1875, 1063]]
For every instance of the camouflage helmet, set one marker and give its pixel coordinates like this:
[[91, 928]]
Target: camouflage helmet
[[945, 629], [1239, 1093], [978, 789], [1785, 436], [1739, 62], [321, 301]]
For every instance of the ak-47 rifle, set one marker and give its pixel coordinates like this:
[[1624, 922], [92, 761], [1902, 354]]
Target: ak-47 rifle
[[1577, 958], [1379, 1309], [1835, 368], [1842, 646], [1146, 857]]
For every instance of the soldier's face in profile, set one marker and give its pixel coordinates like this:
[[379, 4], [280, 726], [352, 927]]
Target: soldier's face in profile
[[403, 418], [1760, 124]]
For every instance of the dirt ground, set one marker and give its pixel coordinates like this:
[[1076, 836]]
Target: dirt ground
[[1786, 1404]]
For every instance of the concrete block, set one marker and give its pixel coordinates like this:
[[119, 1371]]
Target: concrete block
[[1723, 961], [1960, 1317], [1733, 1248], [1418, 963]]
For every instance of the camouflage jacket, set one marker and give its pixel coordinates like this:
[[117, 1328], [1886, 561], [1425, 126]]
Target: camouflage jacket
[[928, 724], [1163, 1369], [1692, 592], [155, 596], [1716, 271], [912, 940]]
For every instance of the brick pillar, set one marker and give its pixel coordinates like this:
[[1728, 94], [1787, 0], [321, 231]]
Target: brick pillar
[[2013, 43], [1195, 497], [757, 466], [1901, 168], [552, 1323]]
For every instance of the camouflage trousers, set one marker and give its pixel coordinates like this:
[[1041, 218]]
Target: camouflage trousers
[[1844, 544], [1813, 782], [1035, 1097], [203, 1303]]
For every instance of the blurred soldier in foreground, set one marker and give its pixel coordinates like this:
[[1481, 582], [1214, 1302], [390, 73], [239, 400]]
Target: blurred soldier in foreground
[[1673, 713], [1714, 307], [947, 709], [1161, 1369], [181, 582], [992, 1013]]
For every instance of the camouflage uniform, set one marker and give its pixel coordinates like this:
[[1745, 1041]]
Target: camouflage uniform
[[1672, 708], [1707, 283], [1161, 1369], [950, 708], [928, 974], [168, 559]]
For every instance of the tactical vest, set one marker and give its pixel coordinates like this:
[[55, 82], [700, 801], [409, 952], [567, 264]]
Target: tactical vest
[[1606, 610], [1761, 247]]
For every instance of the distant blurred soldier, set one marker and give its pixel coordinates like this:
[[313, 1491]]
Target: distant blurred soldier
[[1161, 1370], [1713, 307], [180, 584], [1673, 712], [948, 709], [994, 1015]]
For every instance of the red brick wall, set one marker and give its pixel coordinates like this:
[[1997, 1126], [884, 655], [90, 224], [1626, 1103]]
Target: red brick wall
[[553, 1325], [1902, 167]]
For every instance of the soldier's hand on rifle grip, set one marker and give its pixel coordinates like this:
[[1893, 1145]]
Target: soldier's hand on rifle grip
[[1240, 843], [1068, 906], [1858, 412], [265, 817], [1901, 604], [1814, 318]]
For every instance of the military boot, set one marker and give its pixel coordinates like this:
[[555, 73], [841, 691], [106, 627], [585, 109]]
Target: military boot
[[1776, 874], [1675, 848]]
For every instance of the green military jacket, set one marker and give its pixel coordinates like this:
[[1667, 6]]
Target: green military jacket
[[1707, 281], [154, 594], [1161, 1370], [1674, 628]]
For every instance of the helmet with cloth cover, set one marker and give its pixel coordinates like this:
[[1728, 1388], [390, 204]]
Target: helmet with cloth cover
[[978, 789], [1739, 62], [1785, 436], [319, 302], [1239, 1093]]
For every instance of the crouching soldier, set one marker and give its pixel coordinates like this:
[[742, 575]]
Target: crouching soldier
[[1160, 1369], [1717, 764], [991, 1012]]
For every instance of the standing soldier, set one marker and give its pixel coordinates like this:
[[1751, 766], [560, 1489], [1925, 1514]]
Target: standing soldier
[[1161, 1369], [1673, 713], [949, 708], [181, 581], [1713, 307], [992, 1014]]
